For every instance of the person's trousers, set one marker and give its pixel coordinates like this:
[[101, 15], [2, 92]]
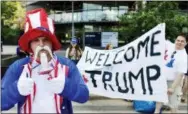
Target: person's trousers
[[174, 99]]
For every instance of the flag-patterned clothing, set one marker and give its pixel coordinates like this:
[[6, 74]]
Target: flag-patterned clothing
[[74, 90]]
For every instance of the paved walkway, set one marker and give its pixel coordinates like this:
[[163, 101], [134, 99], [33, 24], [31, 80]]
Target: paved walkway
[[106, 106]]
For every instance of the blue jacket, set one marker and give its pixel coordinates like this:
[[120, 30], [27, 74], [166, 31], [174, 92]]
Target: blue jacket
[[74, 90]]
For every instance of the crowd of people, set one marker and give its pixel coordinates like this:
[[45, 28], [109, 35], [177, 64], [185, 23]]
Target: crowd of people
[[44, 82]]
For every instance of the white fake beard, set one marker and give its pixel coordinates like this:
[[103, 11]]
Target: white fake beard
[[38, 49], [43, 56]]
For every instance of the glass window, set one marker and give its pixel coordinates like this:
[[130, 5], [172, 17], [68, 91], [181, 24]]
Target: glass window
[[94, 6], [91, 15], [77, 16], [123, 7], [84, 6], [90, 6], [123, 10], [104, 16], [114, 13], [98, 15], [114, 8], [106, 8], [85, 15], [68, 17]]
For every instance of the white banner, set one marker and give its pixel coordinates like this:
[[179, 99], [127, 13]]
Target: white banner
[[134, 71]]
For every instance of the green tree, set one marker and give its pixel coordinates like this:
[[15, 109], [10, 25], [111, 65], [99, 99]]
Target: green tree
[[134, 24], [12, 14]]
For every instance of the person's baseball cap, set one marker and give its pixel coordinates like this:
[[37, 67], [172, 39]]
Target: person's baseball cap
[[74, 41]]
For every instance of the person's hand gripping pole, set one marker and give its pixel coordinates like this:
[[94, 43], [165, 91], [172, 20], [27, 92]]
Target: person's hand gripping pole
[[25, 82]]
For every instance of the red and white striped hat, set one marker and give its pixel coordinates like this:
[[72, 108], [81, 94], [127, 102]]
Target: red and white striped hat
[[38, 24]]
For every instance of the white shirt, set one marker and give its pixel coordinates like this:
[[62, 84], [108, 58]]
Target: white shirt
[[175, 63], [44, 100]]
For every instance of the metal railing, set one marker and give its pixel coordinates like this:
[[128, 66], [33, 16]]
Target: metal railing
[[88, 16], [95, 15]]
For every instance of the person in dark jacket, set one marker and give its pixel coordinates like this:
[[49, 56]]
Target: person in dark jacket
[[21, 53], [2, 41], [42, 82]]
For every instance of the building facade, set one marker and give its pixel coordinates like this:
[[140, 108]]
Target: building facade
[[80, 18], [87, 16]]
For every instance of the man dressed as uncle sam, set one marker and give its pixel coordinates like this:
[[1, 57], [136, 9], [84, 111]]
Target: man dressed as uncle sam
[[43, 82]]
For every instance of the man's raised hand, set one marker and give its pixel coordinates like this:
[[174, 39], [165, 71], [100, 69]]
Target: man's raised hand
[[25, 82]]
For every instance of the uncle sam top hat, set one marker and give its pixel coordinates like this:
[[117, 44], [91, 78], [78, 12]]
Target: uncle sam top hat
[[38, 24]]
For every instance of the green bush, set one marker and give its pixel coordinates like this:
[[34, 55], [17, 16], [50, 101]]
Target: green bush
[[11, 36]]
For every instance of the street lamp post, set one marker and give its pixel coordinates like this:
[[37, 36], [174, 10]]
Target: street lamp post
[[72, 19]]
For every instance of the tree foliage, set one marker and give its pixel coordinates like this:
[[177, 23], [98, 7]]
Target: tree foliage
[[134, 24], [12, 15]]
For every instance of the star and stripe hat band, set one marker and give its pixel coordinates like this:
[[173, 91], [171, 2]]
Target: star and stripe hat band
[[38, 24]]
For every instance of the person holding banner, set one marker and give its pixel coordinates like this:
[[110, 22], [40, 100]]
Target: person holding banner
[[185, 82], [108, 47], [176, 66], [74, 52], [42, 82]]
